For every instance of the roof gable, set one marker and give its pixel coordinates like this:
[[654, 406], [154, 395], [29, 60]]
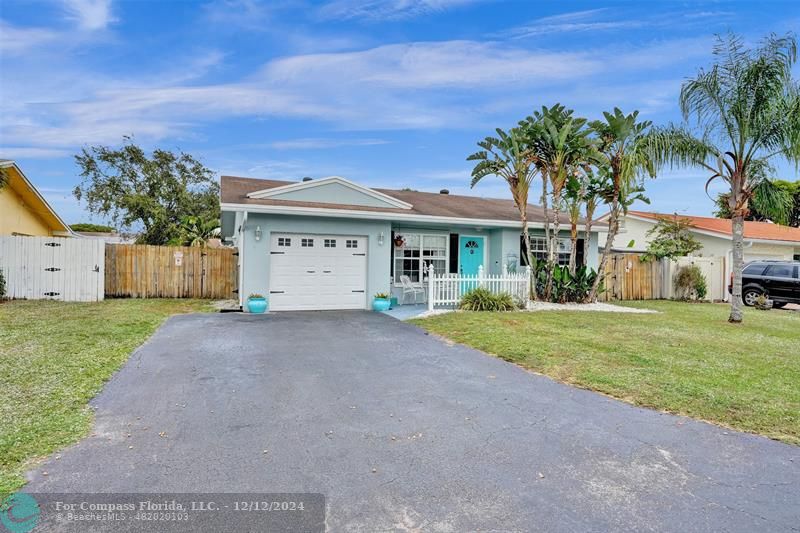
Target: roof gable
[[332, 190], [32, 198]]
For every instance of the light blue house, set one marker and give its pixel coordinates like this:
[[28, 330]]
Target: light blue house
[[333, 244]]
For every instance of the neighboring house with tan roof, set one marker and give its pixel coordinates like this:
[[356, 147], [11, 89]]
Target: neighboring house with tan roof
[[23, 210], [333, 244], [762, 240]]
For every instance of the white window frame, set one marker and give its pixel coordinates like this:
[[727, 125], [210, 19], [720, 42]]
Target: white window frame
[[539, 245], [420, 259]]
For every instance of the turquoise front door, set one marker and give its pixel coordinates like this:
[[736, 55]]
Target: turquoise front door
[[470, 257]]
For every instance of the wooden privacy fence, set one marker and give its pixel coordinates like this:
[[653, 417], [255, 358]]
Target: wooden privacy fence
[[630, 278], [627, 277], [144, 271]]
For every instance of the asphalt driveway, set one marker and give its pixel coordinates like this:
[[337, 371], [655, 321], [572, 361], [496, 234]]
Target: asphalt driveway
[[403, 432]]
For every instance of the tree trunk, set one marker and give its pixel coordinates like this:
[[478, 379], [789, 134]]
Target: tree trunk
[[587, 235], [552, 248], [526, 238], [546, 217], [738, 261], [613, 228], [573, 253]]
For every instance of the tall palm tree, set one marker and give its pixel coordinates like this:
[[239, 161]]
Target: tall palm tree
[[574, 195], [739, 116], [561, 148], [596, 183], [623, 146], [508, 156]]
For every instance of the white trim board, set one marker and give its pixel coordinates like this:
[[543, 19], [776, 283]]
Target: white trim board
[[276, 191], [380, 215]]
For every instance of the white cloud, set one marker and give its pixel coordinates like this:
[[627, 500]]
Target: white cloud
[[422, 85], [15, 40], [13, 152], [385, 9], [322, 143], [90, 14], [434, 64]]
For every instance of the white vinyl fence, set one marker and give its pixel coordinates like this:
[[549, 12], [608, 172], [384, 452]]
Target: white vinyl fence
[[57, 268], [713, 269], [448, 289]]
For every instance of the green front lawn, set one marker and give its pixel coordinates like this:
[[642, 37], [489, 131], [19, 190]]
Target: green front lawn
[[686, 360], [54, 357]]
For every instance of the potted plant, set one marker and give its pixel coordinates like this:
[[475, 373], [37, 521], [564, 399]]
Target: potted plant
[[381, 302], [256, 303]]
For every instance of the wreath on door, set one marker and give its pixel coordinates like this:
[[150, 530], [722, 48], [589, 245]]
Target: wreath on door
[[471, 246]]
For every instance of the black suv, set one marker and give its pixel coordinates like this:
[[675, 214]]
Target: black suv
[[778, 280]]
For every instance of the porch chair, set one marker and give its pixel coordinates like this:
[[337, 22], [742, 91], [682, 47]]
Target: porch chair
[[410, 288]]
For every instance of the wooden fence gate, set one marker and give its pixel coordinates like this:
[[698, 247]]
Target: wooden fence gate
[[145, 271], [627, 277], [56, 268]]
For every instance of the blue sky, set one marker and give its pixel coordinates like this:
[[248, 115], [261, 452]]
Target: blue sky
[[390, 93]]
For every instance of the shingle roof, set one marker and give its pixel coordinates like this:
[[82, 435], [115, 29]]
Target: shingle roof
[[234, 190], [752, 230]]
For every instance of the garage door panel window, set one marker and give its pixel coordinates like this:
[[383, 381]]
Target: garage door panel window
[[330, 243], [284, 241], [307, 243], [419, 251]]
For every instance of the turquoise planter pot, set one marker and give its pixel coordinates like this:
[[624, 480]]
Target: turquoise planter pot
[[381, 304], [257, 305]]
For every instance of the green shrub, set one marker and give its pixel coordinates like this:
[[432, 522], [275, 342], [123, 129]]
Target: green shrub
[[2, 286], [763, 303], [690, 284], [481, 299], [567, 287]]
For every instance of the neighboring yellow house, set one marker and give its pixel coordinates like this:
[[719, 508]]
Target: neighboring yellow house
[[23, 211]]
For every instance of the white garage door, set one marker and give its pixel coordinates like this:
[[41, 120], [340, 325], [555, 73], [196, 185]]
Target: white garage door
[[317, 272], [762, 257]]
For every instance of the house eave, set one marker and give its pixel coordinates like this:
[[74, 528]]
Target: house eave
[[380, 215], [66, 231]]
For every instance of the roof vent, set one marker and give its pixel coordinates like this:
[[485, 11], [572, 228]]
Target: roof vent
[[444, 191], [307, 179]]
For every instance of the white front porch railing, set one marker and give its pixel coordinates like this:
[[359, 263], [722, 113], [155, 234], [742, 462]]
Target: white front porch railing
[[448, 289]]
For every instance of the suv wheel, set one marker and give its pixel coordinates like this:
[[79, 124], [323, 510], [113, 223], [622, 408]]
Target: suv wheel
[[750, 296]]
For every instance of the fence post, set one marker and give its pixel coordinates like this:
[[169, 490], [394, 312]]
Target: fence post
[[431, 282], [480, 276]]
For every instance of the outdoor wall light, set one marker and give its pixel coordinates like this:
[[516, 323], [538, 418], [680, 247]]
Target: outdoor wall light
[[380, 238], [258, 233]]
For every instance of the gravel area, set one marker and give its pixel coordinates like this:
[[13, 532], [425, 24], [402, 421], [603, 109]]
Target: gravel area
[[547, 306], [598, 306]]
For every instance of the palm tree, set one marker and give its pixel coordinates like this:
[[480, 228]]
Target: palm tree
[[744, 113], [508, 156], [574, 194], [196, 232], [623, 148], [597, 183], [561, 148]]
